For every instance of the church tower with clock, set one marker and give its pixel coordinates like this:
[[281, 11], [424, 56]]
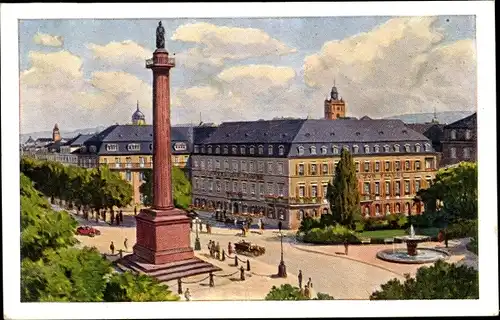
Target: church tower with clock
[[335, 107]]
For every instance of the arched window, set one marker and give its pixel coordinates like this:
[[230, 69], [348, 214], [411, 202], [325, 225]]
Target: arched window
[[453, 134], [252, 150], [209, 149], [407, 148], [377, 209], [376, 148], [367, 149], [270, 150], [417, 147], [367, 211], [234, 149], [261, 149], [396, 148], [202, 149], [242, 149], [398, 208], [226, 149], [301, 214], [217, 149], [427, 147], [324, 150], [313, 150], [300, 150], [468, 134], [335, 150], [281, 150], [386, 148], [407, 208], [355, 148], [387, 209]]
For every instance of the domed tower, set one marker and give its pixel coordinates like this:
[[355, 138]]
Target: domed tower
[[56, 135], [138, 117], [335, 108]]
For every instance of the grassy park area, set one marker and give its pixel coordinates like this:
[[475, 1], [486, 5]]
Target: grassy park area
[[383, 234]]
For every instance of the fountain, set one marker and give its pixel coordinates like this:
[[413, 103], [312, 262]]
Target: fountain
[[411, 254]]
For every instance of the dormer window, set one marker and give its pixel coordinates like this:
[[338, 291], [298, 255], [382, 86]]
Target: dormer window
[[355, 148], [417, 147], [209, 149], [386, 148], [202, 149], [242, 149], [335, 150], [261, 150], [233, 149], [270, 150], [133, 147], [300, 150], [324, 150], [93, 149], [111, 147], [376, 149], [367, 149], [468, 134], [225, 150], [313, 150], [252, 150], [281, 150], [196, 149], [427, 147], [407, 148], [217, 150], [396, 148], [453, 134]]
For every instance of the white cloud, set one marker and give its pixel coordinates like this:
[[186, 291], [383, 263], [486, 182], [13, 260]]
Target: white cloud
[[401, 66], [48, 40], [275, 76], [219, 43], [120, 53]]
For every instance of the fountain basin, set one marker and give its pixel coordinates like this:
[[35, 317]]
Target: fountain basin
[[412, 242], [422, 255]]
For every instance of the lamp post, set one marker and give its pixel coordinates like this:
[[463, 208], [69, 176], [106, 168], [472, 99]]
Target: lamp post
[[281, 267], [197, 245]]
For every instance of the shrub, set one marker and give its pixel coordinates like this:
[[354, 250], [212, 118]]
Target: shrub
[[289, 292], [309, 223], [462, 229], [331, 235]]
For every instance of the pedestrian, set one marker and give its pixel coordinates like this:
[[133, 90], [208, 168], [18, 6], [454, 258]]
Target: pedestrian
[[309, 283], [121, 215], [235, 222], [300, 279], [261, 227], [217, 250], [209, 228], [112, 218], [187, 295], [117, 220], [307, 293], [229, 248], [112, 247], [346, 247], [135, 210], [125, 244]]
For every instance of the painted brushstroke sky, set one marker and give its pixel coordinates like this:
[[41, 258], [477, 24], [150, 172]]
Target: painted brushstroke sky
[[85, 73]]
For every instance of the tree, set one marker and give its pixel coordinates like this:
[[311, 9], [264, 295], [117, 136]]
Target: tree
[[180, 183], [123, 287], [440, 281], [289, 292], [343, 193], [456, 188]]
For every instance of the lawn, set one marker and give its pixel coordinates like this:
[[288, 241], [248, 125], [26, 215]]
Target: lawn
[[382, 234]]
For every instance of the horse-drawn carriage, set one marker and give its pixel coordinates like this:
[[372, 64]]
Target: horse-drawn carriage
[[246, 248]]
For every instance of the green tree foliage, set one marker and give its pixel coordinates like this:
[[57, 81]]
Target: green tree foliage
[[123, 287], [456, 188], [331, 235], [289, 292], [180, 183], [439, 281], [343, 192]]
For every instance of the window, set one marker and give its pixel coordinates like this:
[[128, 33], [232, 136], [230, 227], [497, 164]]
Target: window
[[366, 188], [235, 186], [203, 184], [202, 164], [427, 147], [217, 186], [261, 150], [417, 147], [243, 166], [217, 150], [468, 134], [396, 148], [377, 166], [376, 149], [387, 166], [367, 149], [313, 150], [270, 167], [407, 165], [453, 152], [397, 165], [111, 147], [314, 191], [302, 191], [398, 208], [377, 188], [252, 189], [300, 169], [429, 164], [387, 188], [407, 187], [209, 164], [367, 166], [300, 150], [270, 150], [217, 164], [202, 149], [226, 150], [386, 148], [335, 150], [196, 149], [242, 149], [142, 162], [281, 189], [196, 184], [226, 165], [261, 189], [281, 150], [377, 209], [260, 166], [466, 153], [387, 209], [407, 148], [397, 187], [324, 150], [211, 185], [244, 187], [251, 166], [314, 169], [357, 166], [128, 175], [233, 149], [325, 189], [129, 162], [280, 167], [252, 150], [235, 166], [141, 176], [209, 149], [270, 188], [94, 149], [453, 134], [226, 188], [355, 149], [417, 165], [325, 168], [417, 185]]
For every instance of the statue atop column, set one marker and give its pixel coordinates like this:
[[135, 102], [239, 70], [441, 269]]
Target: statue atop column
[[160, 36]]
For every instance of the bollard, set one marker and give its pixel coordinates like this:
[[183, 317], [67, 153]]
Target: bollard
[[235, 261], [211, 283], [179, 286], [248, 265], [242, 274], [121, 253], [223, 255]]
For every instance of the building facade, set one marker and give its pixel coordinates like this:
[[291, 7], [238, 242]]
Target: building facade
[[460, 141], [280, 169]]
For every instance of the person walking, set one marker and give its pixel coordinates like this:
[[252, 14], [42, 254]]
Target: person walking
[[112, 247], [125, 244], [121, 216], [135, 210], [300, 279], [235, 222], [187, 295], [307, 293]]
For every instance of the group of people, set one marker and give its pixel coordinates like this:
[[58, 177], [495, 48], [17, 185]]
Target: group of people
[[112, 246], [214, 249], [246, 226], [208, 226], [308, 288]]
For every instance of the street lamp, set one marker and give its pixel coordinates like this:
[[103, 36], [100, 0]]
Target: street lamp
[[281, 267], [197, 245]]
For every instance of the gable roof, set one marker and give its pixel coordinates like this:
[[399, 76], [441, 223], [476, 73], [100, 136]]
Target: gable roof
[[469, 122]]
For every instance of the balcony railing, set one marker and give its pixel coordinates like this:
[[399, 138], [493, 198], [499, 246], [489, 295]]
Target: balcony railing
[[150, 62], [133, 165]]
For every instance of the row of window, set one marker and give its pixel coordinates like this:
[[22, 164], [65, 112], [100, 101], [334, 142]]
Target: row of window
[[242, 166], [468, 134], [243, 150], [466, 153], [128, 176], [252, 188], [375, 188], [130, 147], [396, 208]]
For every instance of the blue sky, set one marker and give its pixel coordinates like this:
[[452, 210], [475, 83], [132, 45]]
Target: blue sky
[[199, 85]]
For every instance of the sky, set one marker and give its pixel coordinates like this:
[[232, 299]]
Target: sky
[[84, 73]]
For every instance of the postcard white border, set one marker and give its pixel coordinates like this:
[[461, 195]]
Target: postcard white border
[[486, 305]]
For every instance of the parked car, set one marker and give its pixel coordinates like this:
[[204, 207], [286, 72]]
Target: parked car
[[87, 231]]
